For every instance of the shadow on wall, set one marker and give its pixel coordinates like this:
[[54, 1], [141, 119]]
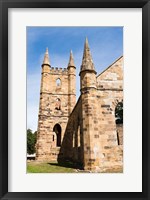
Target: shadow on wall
[[71, 151]]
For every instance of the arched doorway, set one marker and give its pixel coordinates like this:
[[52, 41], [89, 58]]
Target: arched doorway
[[57, 130]]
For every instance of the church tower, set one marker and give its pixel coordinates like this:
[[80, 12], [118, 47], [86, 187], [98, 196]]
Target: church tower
[[89, 110], [57, 99]]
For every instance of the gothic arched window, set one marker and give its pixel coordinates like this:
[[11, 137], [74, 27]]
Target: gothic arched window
[[119, 122], [57, 130], [119, 113]]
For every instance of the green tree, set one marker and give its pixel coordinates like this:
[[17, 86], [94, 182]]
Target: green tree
[[119, 113], [31, 141]]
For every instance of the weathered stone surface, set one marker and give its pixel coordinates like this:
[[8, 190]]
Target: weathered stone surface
[[57, 99], [89, 134]]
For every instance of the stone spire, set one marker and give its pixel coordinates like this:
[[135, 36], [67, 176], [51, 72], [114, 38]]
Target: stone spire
[[46, 60], [71, 60], [87, 62]]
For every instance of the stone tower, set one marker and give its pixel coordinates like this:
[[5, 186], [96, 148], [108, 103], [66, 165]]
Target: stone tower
[[57, 99], [89, 110]]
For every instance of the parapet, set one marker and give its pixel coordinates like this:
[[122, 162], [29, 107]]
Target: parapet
[[56, 70]]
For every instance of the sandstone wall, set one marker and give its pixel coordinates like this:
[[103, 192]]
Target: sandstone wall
[[112, 77], [109, 93], [54, 109], [100, 138], [89, 134], [72, 144]]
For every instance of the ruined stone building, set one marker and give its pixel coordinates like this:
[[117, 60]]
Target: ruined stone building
[[83, 132]]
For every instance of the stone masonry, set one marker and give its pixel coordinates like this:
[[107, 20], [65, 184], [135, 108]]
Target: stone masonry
[[57, 99], [83, 132]]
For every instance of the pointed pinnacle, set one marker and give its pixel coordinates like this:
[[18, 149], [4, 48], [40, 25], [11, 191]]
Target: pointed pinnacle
[[46, 50], [46, 58], [87, 53], [71, 60], [86, 43], [87, 62]]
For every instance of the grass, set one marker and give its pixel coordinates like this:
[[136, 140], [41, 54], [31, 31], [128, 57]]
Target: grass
[[38, 167], [54, 167]]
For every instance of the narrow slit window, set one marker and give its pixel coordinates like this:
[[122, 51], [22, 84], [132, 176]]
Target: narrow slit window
[[58, 104]]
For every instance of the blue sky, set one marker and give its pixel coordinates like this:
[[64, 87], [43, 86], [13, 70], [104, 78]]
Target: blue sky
[[106, 45]]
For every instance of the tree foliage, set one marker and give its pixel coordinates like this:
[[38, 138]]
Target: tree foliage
[[119, 113], [31, 141]]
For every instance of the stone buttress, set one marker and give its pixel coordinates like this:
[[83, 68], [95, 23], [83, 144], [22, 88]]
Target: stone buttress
[[89, 111]]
